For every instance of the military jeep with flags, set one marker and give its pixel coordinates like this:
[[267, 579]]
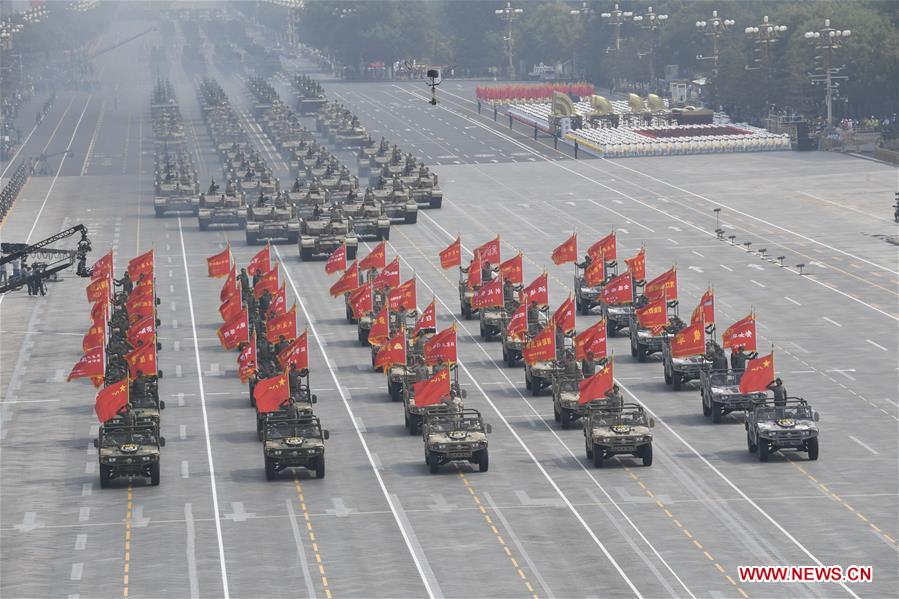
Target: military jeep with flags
[[128, 451], [720, 392], [611, 431], [297, 442], [777, 426], [452, 435]]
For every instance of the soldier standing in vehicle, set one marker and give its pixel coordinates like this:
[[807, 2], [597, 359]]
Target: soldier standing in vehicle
[[533, 316], [265, 302], [294, 376], [281, 345], [588, 260], [780, 393], [508, 291], [588, 365], [738, 359], [614, 396], [487, 271], [244, 282], [125, 283], [139, 385]]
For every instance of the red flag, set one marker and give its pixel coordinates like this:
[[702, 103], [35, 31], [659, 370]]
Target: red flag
[[267, 281], [592, 340], [98, 290], [537, 291], [141, 265], [336, 260], [143, 290], [143, 330], [279, 303], [604, 250], [140, 309], [261, 261], [102, 267], [758, 374], [361, 300], [393, 352], [705, 311], [402, 297], [380, 328], [348, 281], [246, 361], [512, 270], [489, 295], [235, 331], [441, 347], [144, 359], [377, 258], [296, 353], [518, 324], [489, 252], [111, 400], [90, 364], [563, 317], [689, 341], [231, 285], [389, 277], [653, 315], [432, 391], [664, 285], [567, 252], [286, 325], [427, 320], [220, 264], [542, 347], [95, 336], [637, 265], [100, 309], [452, 255], [595, 273], [474, 273], [619, 290], [596, 386], [270, 393], [231, 308], [741, 334]]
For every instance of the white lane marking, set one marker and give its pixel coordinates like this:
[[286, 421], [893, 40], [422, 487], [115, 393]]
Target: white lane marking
[[430, 583], [185, 471], [191, 549], [726, 267], [672, 241], [791, 300], [844, 206], [877, 345], [301, 553], [182, 431], [80, 542], [844, 371], [757, 283], [833, 322], [77, 571], [799, 347], [84, 514], [697, 253], [868, 447], [90, 147], [215, 500]]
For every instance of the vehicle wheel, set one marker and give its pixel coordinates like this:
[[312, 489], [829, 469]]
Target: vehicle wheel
[[483, 330], [812, 448], [641, 354], [204, 225], [565, 418], [646, 454], [717, 413], [384, 234], [413, 424], [466, 311], [588, 447], [363, 337], [556, 414], [351, 252], [411, 219], [527, 380], [436, 202], [752, 448], [259, 431], [305, 254], [535, 387], [433, 463], [242, 223], [667, 375], [677, 381], [104, 476], [160, 212], [483, 461], [597, 456], [293, 237], [610, 328], [252, 238], [764, 450], [270, 472], [154, 474], [633, 348], [320, 467], [706, 410]]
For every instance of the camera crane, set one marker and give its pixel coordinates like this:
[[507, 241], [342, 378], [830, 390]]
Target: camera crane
[[63, 258]]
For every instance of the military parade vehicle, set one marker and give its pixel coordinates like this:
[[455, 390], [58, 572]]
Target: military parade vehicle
[[294, 443], [217, 207], [466, 294], [369, 218], [415, 369], [720, 393], [617, 316], [491, 320], [306, 199], [388, 167], [455, 435], [297, 406], [538, 376], [177, 188], [367, 149], [611, 431], [777, 426], [310, 95], [644, 341], [271, 220], [679, 371], [349, 133], [425, 189], [128, 451], [513, 345], [322, 235], [415, 415], [566, 398], [586, 297], [377, 161], [397, 201], [364, 322]]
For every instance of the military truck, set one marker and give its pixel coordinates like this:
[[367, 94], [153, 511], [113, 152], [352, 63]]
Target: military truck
[[679, 371], [228, 208], [294, 443], [790, 425], [618, 316], [128, 451], [720, 393], [324, 235], [270, 221], [611, 431], [455, 435]]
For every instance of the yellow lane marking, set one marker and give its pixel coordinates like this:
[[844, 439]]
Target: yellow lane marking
[[318, 558]]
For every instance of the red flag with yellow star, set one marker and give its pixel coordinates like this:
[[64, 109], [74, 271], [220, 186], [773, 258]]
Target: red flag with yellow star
[[271, 393], [758, 374], [111, 400]]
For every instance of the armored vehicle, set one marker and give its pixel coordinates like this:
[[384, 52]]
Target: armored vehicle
[[425, 189], [415, 369], [228, 208], [678, 371], [294, 443], [455, 435], [310, 95], [369, 218], [777, 426], [368, 149], [720, 392], [129, 451], [611, 431], [177, 188], [271, 221], [349, 133], [324, 235]]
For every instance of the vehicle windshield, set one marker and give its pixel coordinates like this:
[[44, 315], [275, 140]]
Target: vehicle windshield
[[455, 422], [795, 411], [570, 384], [145, 401], [605, 418], [117, 437], [284, 430]]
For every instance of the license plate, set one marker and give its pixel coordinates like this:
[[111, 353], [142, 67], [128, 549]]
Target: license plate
[[458, 456], [623, 448]]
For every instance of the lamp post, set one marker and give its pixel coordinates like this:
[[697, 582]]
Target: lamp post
[[584, 12], [508, 13], [616, 18], [828, 39], [650, 22], [763, 37], [714, 28]]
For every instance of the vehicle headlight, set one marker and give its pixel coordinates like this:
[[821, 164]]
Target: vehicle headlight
[[146, 458], [277, 452], [441, 446], [111, 460]]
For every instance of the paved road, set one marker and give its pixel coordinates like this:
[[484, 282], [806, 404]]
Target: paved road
[[542, 521]]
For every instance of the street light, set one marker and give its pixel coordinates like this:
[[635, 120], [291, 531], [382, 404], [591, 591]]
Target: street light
[[508, 13], [584, 12], [714, 28], [616, 19], [828, 39], [650, 22], [763, 35]]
